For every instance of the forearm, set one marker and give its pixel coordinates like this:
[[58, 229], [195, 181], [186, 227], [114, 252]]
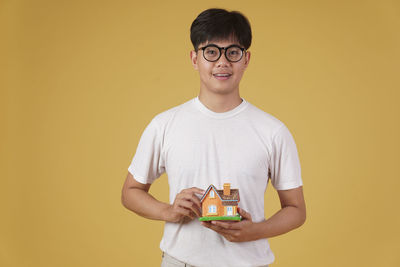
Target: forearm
[[144, 204], [285, 220]]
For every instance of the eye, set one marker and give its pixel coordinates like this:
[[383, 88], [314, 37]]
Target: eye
[[234, 52]]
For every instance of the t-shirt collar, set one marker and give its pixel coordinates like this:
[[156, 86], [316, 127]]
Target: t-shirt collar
[[220, 115]]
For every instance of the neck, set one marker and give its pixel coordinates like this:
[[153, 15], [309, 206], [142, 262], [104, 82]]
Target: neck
[[220, 102]]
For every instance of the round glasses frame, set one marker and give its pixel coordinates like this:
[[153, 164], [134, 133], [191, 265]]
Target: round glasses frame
[[220, 52]]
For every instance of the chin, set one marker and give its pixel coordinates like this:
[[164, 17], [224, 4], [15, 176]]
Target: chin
[[223, 89], [220, 89]]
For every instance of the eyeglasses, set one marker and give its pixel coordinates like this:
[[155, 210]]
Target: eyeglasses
[[212, 52]]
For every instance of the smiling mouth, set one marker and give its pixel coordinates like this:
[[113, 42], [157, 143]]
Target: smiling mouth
[[222, 76]]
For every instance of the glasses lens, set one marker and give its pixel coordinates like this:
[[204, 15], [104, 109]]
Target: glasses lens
[[211, 53], [234, 53]]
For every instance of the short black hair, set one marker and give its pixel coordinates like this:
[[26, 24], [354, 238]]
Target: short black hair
[[219, 24]]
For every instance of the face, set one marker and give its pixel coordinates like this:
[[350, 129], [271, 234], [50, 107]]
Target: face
[[219, 77]]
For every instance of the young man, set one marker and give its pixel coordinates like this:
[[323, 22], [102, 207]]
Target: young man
[[215, 138]]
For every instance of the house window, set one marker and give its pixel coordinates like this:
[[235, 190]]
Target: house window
[[212, 194], [212, 209], [229, 210]]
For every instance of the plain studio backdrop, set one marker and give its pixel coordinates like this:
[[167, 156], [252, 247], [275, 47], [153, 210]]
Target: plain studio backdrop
[[80, 80]]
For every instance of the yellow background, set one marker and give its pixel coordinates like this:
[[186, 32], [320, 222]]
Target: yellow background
[[80, 80]]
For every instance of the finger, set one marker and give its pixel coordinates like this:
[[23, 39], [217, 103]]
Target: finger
[[206, 224], [192, 197], [189, 205], [193, 215], [229, 238], [222, 231], [244, 213], [184, 212], [197, 190], [225, 225], [194, 190], [229, 235], [216, 227]]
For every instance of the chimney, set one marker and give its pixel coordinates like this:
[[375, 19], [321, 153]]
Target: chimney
[[227, 189]]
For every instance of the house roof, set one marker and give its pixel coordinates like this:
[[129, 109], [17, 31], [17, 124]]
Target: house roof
[[231, 199]]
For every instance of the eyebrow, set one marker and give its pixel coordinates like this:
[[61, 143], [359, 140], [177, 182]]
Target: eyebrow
[[222, 46]]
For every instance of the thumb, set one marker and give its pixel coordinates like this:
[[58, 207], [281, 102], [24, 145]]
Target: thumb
[[244, 214]]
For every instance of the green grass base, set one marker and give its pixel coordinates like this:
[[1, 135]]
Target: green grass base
[[220, 218]]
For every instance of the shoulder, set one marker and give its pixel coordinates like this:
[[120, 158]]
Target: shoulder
[[161, 120], [263, 120]]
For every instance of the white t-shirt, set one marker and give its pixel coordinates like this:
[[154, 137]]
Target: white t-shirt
[[197, 147]]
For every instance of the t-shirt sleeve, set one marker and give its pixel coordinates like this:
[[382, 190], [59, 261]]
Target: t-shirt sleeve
[[148, 163], [285, 171]]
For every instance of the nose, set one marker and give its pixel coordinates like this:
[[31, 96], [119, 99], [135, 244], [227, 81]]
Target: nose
[[222, 61]]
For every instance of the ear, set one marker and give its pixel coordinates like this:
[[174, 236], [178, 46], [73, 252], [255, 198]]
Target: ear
[[193, 58], [247, 59]]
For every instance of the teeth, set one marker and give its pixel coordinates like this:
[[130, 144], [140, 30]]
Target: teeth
[[222, 75]]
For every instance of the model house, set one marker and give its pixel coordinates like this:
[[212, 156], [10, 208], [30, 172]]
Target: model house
[[220, 204]]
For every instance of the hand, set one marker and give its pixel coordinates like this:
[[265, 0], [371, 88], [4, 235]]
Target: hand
[[186, 206], [235, 231]]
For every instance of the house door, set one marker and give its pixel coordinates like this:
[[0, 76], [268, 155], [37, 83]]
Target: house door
[[229, 211]]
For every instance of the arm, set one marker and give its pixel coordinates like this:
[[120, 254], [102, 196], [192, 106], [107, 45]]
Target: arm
[[291, 215], [136, 197]]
